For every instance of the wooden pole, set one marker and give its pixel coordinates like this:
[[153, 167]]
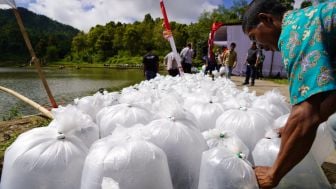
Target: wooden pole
[[40, 108], [34, 58]]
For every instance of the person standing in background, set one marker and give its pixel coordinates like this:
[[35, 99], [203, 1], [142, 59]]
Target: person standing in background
[[230, 60], [251, 62], [171, 63], [260, 62], [187, 54], [151, 64]]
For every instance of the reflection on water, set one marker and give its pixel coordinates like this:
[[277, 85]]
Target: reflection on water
[[65, 84]]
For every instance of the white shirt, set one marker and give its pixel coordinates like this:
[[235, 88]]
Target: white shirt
[[187, 54], [170, 61]]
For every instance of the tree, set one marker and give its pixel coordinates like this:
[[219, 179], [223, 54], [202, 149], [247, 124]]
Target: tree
[[288, 4], [305, 4], [52, 53]]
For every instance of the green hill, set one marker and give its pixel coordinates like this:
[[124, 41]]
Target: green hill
[[51, 39]]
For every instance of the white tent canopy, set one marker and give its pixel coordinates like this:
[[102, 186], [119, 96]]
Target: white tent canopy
[[225, 35]]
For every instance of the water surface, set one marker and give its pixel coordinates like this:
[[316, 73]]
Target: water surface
[[65, 84]]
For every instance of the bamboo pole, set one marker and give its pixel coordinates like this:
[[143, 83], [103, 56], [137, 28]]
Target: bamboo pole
[[40, 108], [34, 58]]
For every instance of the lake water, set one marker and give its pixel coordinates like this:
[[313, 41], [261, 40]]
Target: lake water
[[65, 84]]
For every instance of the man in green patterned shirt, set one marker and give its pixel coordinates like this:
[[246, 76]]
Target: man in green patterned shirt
[[307, 41]]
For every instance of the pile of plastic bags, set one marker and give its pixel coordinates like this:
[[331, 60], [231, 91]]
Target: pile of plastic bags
[[170, 132]]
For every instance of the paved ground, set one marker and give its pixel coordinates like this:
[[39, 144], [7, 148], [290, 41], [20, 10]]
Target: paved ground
[[261, 86]]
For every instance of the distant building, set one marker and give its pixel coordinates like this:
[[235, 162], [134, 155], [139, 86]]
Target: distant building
[[273, 62]]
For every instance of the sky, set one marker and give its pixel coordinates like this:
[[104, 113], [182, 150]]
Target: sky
[[84, 14]]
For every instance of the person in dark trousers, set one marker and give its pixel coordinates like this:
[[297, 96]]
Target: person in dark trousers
[[260, 63], [251, 62], [187, 55], [171, 63], [211, 66], [151, 64], [306, 39]]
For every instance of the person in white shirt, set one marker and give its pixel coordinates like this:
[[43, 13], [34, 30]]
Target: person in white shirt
[[171, 63], [187, 54]]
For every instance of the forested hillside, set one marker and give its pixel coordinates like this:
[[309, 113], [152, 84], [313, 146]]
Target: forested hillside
[[51, 39], [102, 43]]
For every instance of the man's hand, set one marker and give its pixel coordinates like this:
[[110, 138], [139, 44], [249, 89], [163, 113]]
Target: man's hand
[[280, 131], [265, 177]]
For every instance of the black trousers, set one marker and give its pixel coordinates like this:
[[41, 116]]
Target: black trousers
[[186, 67], [251, 72], [173, 72]]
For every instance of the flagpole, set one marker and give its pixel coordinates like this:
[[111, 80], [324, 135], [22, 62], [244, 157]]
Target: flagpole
[[34, 58], [171, 38]]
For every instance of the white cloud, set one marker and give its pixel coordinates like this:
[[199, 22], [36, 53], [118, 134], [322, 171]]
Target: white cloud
[[84, 14]]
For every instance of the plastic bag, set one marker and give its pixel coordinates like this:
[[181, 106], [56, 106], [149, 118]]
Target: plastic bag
[[250, 125], [72, 121], [280, 121], [183, 144], [221, 138], [273, 102], [42, 158], [207, 112], [331, 124], [323, 144], [109, 183], [91, 105], [124, 114], [222, 169], [133, 164], [306, 174]]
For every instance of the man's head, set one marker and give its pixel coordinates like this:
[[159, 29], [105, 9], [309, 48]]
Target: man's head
[[253, 45], [189, 45], [233, 46], [262, 22], [149, 48]]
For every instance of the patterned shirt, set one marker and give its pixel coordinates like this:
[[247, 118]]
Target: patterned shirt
[[308, 46]]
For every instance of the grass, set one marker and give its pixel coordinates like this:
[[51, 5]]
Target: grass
[[278, 81], [13, 113]]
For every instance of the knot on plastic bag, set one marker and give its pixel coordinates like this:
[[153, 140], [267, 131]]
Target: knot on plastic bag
[[241, 155], [172, 118], [60, 136], [243, 108], [222, 135]]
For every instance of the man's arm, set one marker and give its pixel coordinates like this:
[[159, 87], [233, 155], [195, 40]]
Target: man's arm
[[297, 136]]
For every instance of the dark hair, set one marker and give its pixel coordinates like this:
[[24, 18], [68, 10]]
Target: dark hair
[[149, 48], [233, 44], [251, 20], [189, 45]]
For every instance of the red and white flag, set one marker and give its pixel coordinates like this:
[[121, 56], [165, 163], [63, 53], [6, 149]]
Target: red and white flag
[[11, 3], [169, 36]]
